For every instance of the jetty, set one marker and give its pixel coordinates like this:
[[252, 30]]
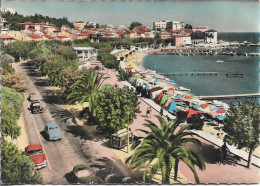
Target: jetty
[[232, 96], [189, 73]]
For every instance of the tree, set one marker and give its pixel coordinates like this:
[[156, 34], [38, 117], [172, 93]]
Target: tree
[[18, 49], [165, 146], [108, 60], [242, 126], [188, 26], [15, 167], [134, 24], [198, 35], [124, 75], [85, 89], [41, 50], [6, 67], [115, 108], [15, 81], [66, 52]]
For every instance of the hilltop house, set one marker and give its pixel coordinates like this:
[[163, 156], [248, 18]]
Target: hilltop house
[[182, 40], [6, 39], [211, 36]]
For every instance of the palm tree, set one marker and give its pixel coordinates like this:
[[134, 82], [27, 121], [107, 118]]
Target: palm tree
[[166, 147], [85, 89]]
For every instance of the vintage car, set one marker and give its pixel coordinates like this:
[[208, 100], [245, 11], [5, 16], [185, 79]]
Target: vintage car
[[35, 152], [35, 107], [53, 131], [32, 97], [82, 174]]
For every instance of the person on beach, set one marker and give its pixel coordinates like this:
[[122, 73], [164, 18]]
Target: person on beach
[[224, 150], [148, 112], [217, 156], [161, 111]]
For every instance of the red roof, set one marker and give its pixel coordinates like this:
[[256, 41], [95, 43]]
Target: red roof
[[199, 27], [142, 28], [181, 36], [62, 37], [140, 32], [21, 24], [48, 37], [35, 36], [108, 35], [65, 26], [83, 34], [164, 34], [155, 89], [68, 32], [175, 31], [57, 30], [130, 31], [27, 23], [120, 33], [52, 25], [188, 31], [79, 22], [5, 36], [43, 23], [92, 29], [31, 30], [43, 31], [211, 30]]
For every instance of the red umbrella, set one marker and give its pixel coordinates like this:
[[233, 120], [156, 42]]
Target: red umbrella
[[188, 97], [129, 68], [205, 105], [177, 100], [135, 73], [171, 89], [143, 74], [192, 112], [221, 111]]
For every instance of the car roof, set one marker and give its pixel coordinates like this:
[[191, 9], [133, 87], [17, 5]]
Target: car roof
[[52, 124], [34, 147]]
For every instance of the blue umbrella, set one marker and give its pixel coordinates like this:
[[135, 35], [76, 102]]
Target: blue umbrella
[[147, 87], [155, 81], [179, 96], [180, 103], [197, 106], [221, 118], [172, 106], [215, 109]]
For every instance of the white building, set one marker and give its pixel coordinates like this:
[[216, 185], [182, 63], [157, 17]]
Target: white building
[[176, 25], [162, 25], [86, 53], [4, 26], [91, 24], [211, 36]]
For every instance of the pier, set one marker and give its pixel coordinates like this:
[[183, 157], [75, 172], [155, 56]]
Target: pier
[[190, 73], [234, 96]]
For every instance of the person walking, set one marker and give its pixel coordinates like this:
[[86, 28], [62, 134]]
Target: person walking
[[217, 156], [148, 112], [224, 150], [161, 111]]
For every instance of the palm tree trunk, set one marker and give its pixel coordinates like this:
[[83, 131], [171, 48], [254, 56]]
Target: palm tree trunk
[[176, 167], [249, 157]]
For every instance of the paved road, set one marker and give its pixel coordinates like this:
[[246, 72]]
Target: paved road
[[79, 144]]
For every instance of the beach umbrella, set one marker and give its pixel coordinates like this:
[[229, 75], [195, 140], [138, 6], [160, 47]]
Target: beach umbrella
[[205, 105], [197, 106], [211, 106], [171, 89], [221, 111], [180, 103], [135, 73], [143, 74], [155, 81], [188, 97], [192, 112], [179, 96], [129, 68], [221, 118], [215, 109]]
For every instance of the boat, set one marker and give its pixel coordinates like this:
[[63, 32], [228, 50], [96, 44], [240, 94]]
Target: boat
[[220, 61], [167, 79], [235, 74], [183, 88], [157, 76]]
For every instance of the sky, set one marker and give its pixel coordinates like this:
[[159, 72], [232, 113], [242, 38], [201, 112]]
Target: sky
[[223, 16]]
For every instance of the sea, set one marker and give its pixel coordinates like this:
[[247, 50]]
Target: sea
[[219, 84]]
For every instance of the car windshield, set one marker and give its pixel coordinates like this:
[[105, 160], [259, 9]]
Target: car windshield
[[53, 128], [34, 152]]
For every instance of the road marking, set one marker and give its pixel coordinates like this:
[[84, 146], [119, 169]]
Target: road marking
[[40, 139]]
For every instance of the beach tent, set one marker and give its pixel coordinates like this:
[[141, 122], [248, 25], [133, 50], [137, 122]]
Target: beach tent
[[147, 86], [172, 107], [164, 99], [192, 112], [197, 106], [154, 92], [179, 96], [205, 105], [159, 97]]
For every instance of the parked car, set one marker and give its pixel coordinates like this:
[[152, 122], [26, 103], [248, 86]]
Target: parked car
[[35, 107], [53, 131], [32, 97], [35, 152], [82, 174]]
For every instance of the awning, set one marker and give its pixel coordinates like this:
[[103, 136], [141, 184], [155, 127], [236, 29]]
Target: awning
[[221, 111], [192, 112], [205, 105], [159, 97], [177, 100]]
